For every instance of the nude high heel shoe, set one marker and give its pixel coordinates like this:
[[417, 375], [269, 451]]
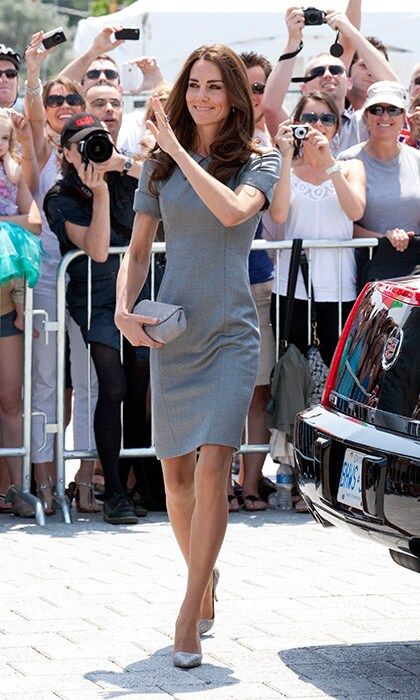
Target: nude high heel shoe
[[206, 624], [185, 659]]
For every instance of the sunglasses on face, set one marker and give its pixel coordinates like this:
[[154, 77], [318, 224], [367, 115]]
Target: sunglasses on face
[[73, 100], [257, 88], [109, 73], [378, 110], [9, 73], [326, 118], [320, 70], [416, 81]]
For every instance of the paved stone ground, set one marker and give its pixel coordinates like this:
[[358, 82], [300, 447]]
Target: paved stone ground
[[88, 610]]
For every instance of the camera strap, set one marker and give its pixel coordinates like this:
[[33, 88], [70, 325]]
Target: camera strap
[[292, 54]]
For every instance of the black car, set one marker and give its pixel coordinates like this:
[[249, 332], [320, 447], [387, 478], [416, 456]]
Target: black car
[[358, 452]]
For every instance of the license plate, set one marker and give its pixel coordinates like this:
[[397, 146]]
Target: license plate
[[350, 487]]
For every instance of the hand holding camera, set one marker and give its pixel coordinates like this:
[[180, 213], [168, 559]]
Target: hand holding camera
[[106, 41], [285, 140], [320, 142], [35, 53], [295, 22], [92, 178]]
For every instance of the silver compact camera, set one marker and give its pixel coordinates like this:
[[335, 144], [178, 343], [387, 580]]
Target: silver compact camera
[[300, 131]]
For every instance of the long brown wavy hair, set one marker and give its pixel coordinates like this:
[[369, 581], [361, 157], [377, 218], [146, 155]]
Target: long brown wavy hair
[[234, 144]]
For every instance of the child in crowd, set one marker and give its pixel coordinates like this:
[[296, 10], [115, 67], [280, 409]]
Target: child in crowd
[[19, 250]]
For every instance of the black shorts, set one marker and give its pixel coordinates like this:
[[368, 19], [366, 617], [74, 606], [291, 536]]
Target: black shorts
[[7, 327]]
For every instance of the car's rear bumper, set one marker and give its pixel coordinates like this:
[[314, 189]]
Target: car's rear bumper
[[390, 477]]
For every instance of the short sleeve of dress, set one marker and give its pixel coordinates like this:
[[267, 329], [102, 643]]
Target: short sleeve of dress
[[144, 200], [59, 209], [262, 172]]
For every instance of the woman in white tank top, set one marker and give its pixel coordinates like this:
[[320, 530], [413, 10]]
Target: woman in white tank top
[[317, 198], [48, 109]]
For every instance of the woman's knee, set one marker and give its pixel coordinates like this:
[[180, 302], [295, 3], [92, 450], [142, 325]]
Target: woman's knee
[[112, 392], [178, 475]]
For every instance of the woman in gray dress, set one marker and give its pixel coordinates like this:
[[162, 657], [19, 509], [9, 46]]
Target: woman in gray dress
[[207, 182]]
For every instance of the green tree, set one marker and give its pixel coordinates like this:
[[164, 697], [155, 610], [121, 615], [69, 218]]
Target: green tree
[[106, 7], [19, 20]]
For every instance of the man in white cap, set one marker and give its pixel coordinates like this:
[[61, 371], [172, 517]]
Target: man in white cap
[[392, 172]]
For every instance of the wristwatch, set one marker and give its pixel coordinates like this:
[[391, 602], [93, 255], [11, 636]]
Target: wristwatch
[[128, 164]]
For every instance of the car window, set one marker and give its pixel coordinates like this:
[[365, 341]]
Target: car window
[[379, 370]]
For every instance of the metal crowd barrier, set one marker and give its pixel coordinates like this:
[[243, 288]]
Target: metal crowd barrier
[[63, 454]]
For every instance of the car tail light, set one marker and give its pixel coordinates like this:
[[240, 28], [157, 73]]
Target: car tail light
[[335, 362]]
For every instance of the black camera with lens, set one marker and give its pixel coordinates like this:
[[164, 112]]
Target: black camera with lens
[[300, 131], [313, 16], [96, 148]]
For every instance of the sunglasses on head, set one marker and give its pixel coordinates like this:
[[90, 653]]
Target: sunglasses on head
[[9, 73], [320, 70], [257, 88], [326, 118], [378, 110], [73, 100], [109, 73]]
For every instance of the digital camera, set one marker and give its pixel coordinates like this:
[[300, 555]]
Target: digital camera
[[300, 131], [313, 16], [96, 148], [54, 38]]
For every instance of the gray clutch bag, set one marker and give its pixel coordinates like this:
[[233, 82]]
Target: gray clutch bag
[[172, 320]]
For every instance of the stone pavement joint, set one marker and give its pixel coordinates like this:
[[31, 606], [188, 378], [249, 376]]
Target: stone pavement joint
[[88, 611]]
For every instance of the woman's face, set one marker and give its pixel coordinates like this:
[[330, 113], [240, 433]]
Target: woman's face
[[319, 108], [206, 96], [72, 155], [57, 116], [385, 126]]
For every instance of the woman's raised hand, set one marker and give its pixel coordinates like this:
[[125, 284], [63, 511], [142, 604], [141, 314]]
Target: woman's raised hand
[[284, 139], [162, 130], [322, 145], [35, 54]]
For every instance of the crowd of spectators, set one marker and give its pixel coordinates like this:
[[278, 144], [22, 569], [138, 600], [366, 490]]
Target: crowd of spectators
[[356, 173]]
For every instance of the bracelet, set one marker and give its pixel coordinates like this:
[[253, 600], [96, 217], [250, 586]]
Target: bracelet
[[292, 54], [33, 91], [336, 168], [28, 157]]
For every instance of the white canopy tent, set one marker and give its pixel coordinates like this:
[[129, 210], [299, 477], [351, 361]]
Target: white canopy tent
[[171, 34]]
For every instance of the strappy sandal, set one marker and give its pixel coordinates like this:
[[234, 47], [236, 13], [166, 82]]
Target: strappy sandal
[[5, 507], [251, 500], [234, 505]]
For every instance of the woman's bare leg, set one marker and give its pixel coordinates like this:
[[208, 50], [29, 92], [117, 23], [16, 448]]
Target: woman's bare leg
[[178, 474], [11, 377], [205, 518]]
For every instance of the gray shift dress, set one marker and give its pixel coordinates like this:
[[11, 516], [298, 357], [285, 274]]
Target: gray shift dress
[[202, 382]]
